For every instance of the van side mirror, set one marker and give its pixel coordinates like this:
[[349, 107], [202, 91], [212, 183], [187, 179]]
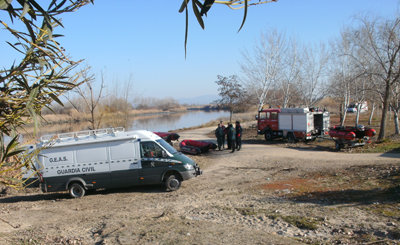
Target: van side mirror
[[256, 117], [164, 154]]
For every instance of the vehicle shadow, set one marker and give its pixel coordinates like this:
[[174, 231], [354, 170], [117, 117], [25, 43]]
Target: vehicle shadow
[[57, 196], [35, 197], [311, 148], [392, 154]]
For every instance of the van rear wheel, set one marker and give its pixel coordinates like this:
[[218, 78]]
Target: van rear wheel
[[172, 183], [76, 190]]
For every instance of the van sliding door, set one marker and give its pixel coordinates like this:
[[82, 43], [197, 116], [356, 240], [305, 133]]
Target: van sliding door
[[124, 163]]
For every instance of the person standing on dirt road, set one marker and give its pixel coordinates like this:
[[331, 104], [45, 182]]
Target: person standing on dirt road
[[238, 130], [220, 134], [231, 137], [225, 131]]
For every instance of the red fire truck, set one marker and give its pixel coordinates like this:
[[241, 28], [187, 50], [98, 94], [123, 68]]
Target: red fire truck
[[292, 123]]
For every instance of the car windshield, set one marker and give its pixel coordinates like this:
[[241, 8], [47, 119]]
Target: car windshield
[[167, 146]]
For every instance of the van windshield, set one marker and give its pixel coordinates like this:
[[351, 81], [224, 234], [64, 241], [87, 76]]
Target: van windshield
[[167, 146]]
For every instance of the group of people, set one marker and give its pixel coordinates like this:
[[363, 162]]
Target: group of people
[[233, 136]]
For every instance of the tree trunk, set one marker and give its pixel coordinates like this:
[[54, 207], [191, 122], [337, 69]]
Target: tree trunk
[[358, 113], [396, 121], [344, 114], [384, 111], [372, 114]]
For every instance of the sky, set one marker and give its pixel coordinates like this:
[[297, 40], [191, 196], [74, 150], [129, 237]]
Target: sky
[[144, 40]]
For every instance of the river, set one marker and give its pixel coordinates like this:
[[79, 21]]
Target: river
[[158, 122], [173, 121]]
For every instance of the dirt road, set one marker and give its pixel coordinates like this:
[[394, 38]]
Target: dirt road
[[263, 194]]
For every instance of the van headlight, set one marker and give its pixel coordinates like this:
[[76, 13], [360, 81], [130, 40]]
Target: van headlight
[[188, 166]]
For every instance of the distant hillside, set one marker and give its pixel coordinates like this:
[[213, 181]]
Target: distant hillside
[[199, 100]]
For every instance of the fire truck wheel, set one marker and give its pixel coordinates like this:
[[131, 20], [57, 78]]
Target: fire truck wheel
[[268, 135], [76, 190], [172, 183]]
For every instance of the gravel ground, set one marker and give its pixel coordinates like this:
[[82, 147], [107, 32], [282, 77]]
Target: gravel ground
[[262, 194]]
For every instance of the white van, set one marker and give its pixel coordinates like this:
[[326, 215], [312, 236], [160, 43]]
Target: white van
[[109, 158]]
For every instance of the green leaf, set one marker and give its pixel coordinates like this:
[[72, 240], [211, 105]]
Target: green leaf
[[197, 13], [29, 27], [186, 26], [5, 3], [13, 46], [25, 10], [55, 98], [183, 6], [10, 148], [245, 14]]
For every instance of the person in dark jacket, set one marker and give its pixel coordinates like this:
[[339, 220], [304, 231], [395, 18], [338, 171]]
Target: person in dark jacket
[[239, 130], [231, 136], [223, 129], [220, 134]]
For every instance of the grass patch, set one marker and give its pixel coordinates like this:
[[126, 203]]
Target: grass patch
[[301, 222], [386, 146], [391, 210], [304, 223]]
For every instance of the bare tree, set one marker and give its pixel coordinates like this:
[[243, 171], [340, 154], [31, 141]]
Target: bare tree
[[377, 51], [313, 82], [290, 72], [89, 97], [342, 74], [120, 100], [231, 93], [261, 68]]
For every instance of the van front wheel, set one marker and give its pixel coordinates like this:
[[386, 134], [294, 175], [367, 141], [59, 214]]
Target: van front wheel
[[76, 190], [172, 183]]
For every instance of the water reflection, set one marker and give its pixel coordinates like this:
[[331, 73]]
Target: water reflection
[[175, 121]]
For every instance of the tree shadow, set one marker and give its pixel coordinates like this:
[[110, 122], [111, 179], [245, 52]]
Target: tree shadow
[[351, 196], [395, 153]]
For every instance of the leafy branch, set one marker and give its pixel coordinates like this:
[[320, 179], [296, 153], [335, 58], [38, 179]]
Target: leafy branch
[[201, 8], [42, 74]]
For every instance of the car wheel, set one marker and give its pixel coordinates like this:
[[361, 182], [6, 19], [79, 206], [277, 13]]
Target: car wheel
[[172, 183], [76, 190]]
